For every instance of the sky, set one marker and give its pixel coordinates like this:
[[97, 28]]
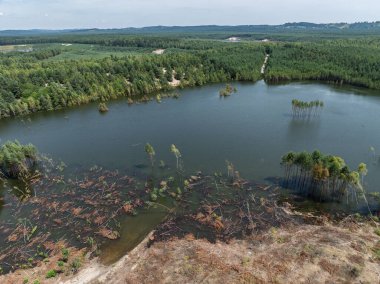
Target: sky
[[63, 14]]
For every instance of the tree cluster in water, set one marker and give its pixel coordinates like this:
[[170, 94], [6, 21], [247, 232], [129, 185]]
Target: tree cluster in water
[[227, 91], [102, 107], [323, 177], [17, 160], [303, 109]]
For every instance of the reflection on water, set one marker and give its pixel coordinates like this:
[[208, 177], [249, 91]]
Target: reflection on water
[[303, 128]]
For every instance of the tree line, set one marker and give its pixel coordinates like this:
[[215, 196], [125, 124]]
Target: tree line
[[355, 62], [29, 84]]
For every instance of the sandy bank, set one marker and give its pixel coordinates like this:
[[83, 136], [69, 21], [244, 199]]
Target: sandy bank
[[299, 254], [158, 51], [327, 253]]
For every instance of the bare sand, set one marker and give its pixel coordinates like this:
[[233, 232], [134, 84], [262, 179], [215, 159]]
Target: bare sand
[[158, 51], [347, 252], [307, 254], [175, 82]]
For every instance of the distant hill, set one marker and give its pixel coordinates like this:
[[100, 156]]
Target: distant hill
[[301, 26], [341, 26]]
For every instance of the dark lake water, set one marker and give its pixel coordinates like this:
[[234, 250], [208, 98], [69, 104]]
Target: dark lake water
[[252, 128]]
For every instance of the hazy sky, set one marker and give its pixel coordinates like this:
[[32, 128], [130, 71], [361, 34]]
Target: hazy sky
[[58, 14]]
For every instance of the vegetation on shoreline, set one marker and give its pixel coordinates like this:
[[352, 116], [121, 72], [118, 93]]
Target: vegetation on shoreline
[[348, 61], [39, 80], [84, 210], [30, 85], [17, 160]]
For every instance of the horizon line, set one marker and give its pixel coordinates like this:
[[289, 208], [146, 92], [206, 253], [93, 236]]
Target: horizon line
[[189, 26]]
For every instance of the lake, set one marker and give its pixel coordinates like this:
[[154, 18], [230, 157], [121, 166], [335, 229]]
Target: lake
[[252, 128]]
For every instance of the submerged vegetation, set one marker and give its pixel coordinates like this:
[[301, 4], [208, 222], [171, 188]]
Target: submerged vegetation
[[303, 109], [17, 160], [177, 155], [80, 210], [102, 108], [227, 91], [322, 177], [85, 210], [150, 152], [375, 156]]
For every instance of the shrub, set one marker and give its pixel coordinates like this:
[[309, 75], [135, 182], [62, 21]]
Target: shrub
[[102, 107], [75, 265], [51, 274], [65, 254], [377, 231], [17, 160]]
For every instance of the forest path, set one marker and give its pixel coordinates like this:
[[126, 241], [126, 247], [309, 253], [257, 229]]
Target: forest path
[[265, 64]]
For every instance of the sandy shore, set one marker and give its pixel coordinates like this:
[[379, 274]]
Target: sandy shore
[[327, 253], [301, 254], [158, 51], [307, 254]]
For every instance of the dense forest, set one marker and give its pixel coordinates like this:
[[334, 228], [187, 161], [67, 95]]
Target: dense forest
[[38, 80], [353, 62], [28, 83]]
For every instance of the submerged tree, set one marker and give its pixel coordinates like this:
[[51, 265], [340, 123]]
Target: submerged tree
[[102, 107], [151, 153], [303, 109], [227, 91], [230, 169], [324, 177], [375, 158], [362, 169], [17, 160], [176, 153]]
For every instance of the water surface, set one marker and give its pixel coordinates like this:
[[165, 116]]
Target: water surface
[[252, 128]]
